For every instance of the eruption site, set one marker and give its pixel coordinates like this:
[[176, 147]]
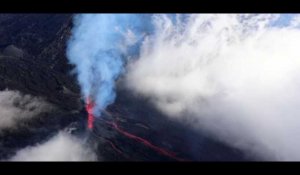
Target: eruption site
[[113, 124], [89, 108]]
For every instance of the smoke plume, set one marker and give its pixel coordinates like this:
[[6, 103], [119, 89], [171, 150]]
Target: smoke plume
[[235, 76], [97, 48]]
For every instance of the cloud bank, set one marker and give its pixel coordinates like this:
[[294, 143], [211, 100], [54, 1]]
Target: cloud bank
[[235, 76], [62, 147], [16, 107]]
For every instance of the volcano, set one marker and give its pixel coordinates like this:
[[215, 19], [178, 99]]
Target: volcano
[[130, 130]]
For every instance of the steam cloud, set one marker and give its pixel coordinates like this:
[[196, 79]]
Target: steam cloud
[[97, 48], [62, 147], [16, 107], [236, 76]]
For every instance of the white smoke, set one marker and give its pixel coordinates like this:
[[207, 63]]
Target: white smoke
[[16, 107], [62, 147], [236, 76]]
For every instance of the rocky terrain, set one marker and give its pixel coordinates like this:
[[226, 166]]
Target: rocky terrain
[[33, 61]]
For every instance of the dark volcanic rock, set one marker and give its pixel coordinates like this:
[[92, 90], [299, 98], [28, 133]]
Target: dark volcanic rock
[[33, 32], [34, 60], [34, 78], [12, 51]]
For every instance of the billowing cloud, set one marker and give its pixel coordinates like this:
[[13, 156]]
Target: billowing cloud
[[16, 107], [235, 76], [62, 147]]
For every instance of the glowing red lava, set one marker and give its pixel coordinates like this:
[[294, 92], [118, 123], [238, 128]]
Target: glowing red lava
[[89, 108], [146, 142]]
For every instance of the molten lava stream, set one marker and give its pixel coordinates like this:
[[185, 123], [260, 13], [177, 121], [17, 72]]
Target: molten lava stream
[[146, 142], [89, 107]]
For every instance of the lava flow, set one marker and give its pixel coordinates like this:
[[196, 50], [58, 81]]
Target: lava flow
[[89, 108], [145, 142]]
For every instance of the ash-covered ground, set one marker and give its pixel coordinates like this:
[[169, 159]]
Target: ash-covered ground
[[33, 63]]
